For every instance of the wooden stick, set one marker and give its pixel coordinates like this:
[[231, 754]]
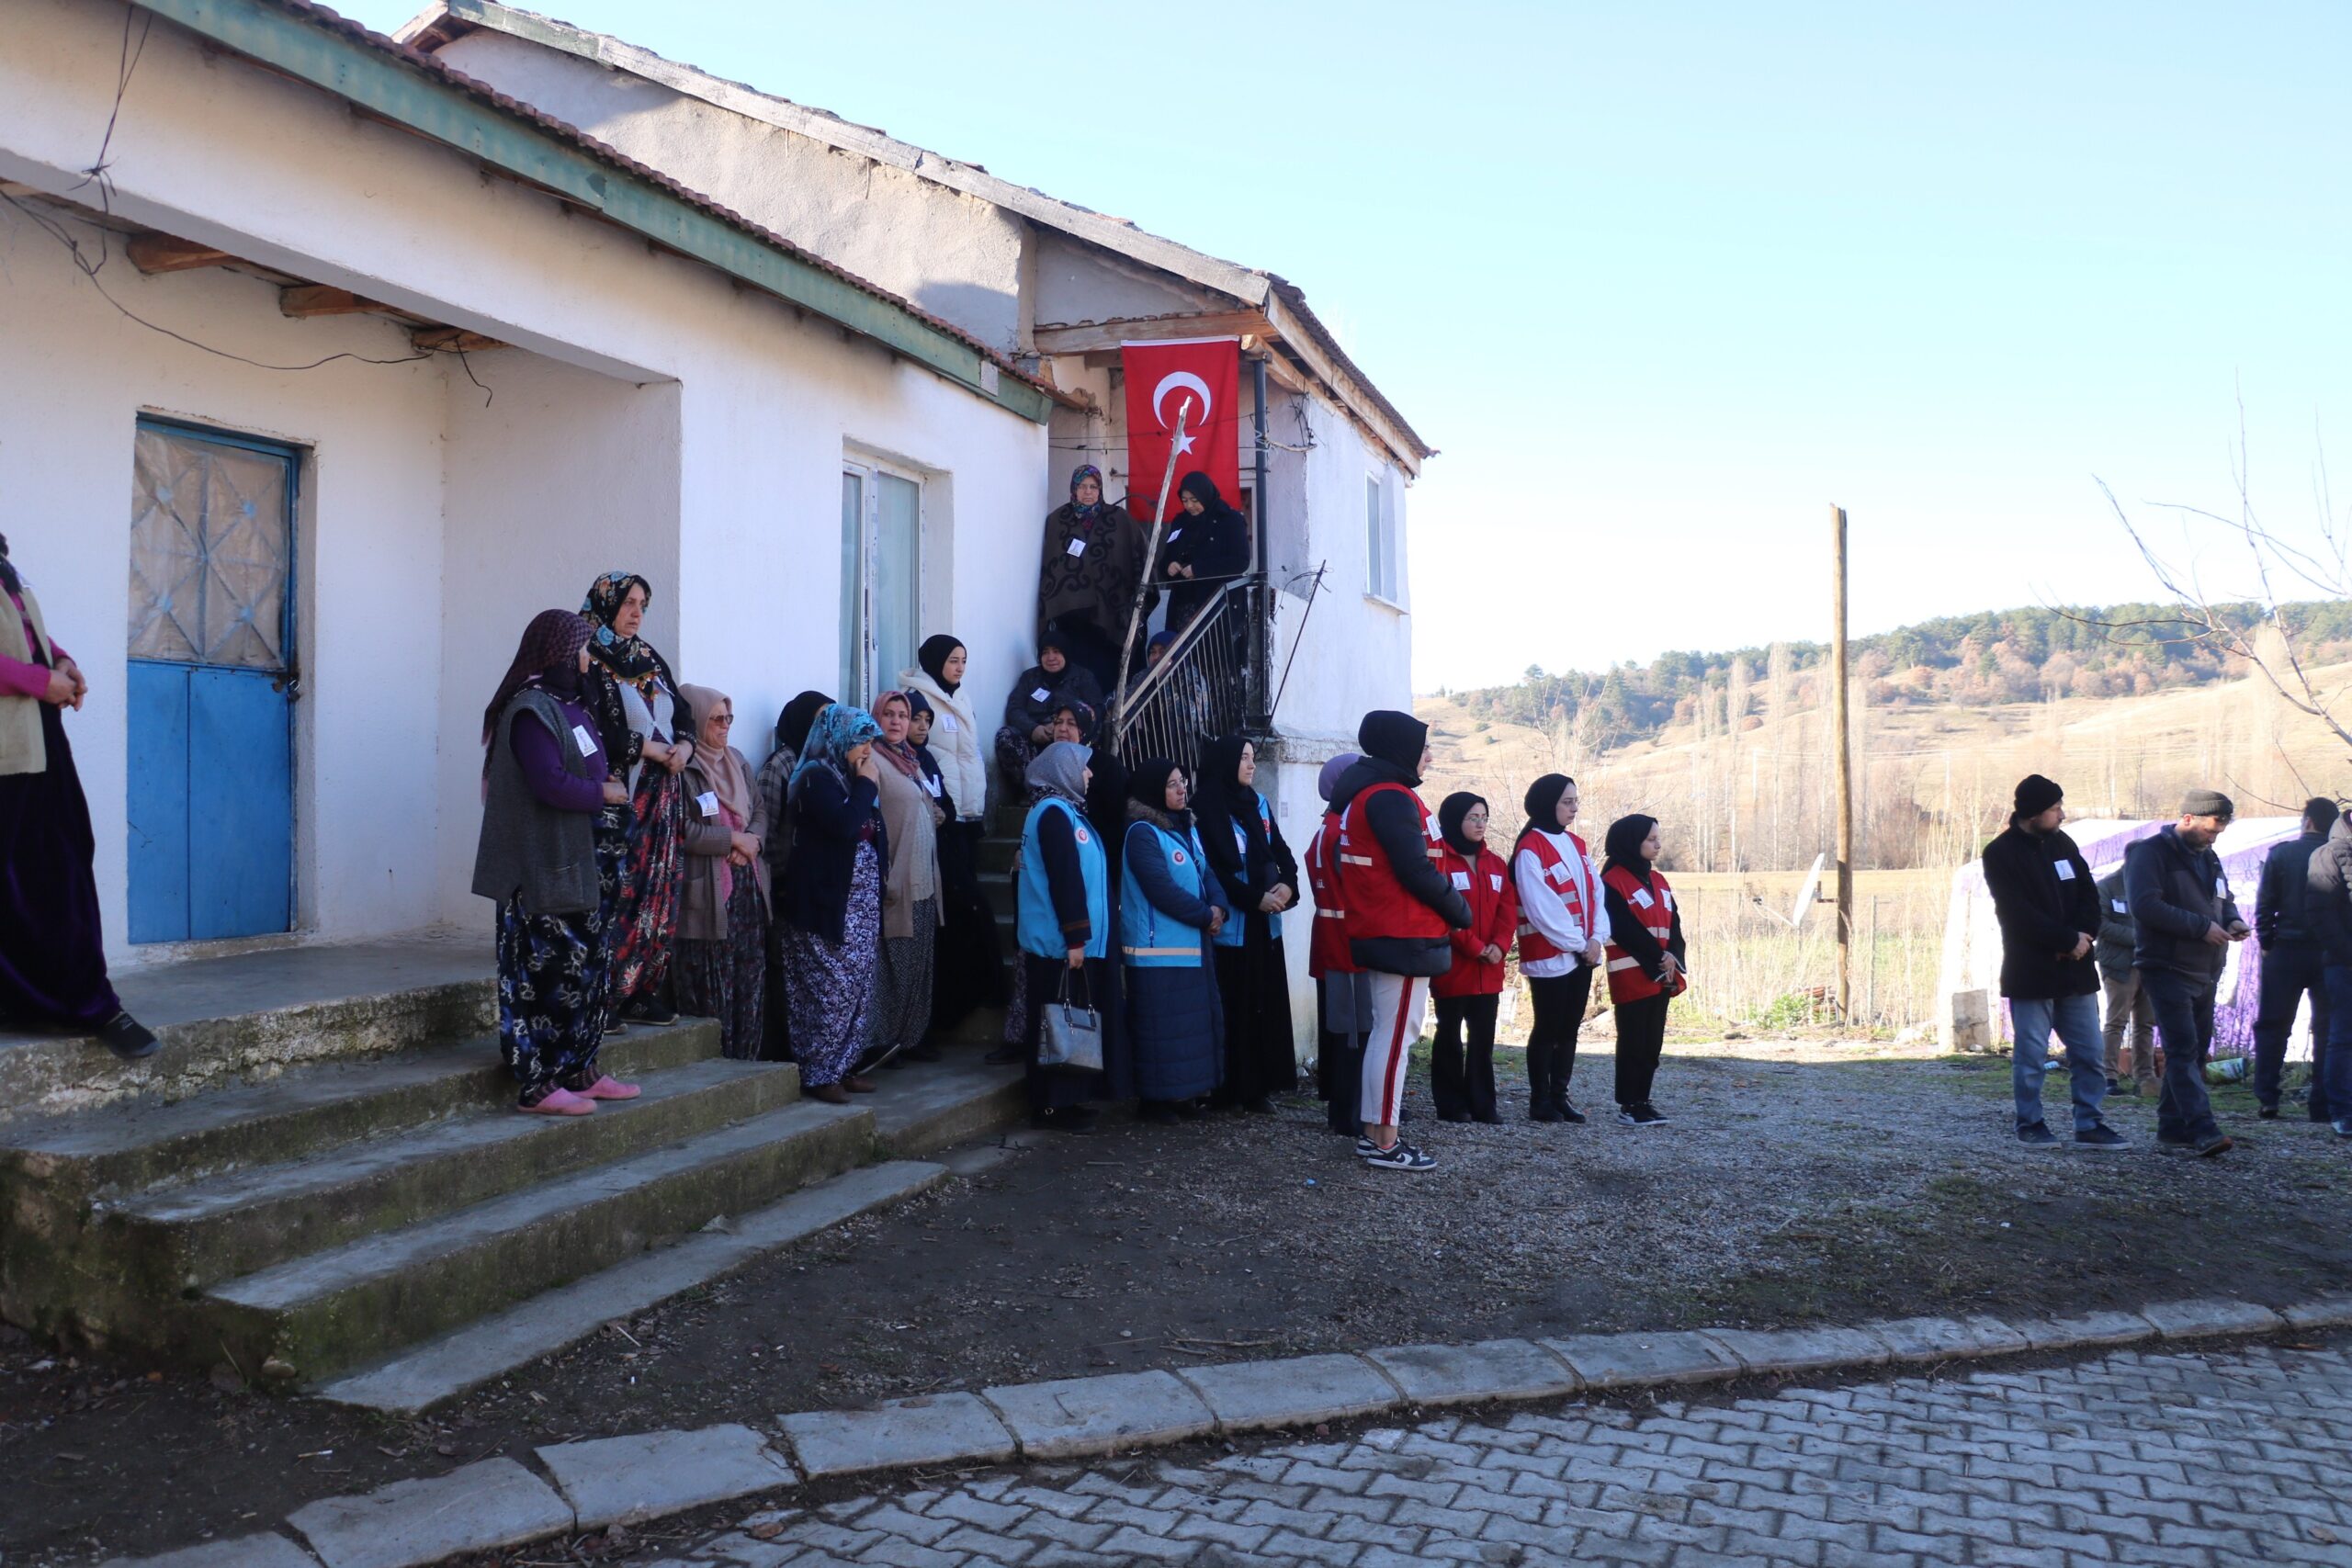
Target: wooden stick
[[1150, 553]]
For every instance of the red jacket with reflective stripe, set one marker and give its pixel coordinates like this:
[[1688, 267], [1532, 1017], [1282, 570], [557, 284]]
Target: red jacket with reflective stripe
[[1534, 945], [1652, 903], [1494, 919], [1376, 902], [1326, 944]]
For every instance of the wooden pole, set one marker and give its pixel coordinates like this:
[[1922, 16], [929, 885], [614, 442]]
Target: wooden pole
[[1150, 553], [1845, 764]]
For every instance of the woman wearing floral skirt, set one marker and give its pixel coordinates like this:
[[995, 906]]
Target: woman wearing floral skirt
[[831, 904]]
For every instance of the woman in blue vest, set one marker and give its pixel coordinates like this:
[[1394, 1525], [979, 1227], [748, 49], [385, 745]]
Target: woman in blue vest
[[1258, 877], [1171, 910], [1064, 926]]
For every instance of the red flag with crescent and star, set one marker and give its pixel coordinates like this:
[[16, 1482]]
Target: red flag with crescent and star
[[1198, 380]]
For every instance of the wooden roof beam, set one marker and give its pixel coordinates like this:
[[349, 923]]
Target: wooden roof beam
[[152, 252], [304, 301], [451, 340], [1099, 337]]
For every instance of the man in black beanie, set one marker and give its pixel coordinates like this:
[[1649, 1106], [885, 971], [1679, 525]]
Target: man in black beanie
[[2188, 917], [1400, 912], [2048, 909]]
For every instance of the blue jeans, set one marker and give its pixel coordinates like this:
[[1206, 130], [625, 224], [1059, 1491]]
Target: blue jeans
[[2338, 1064], [2185, 1028], [2075, 1019]]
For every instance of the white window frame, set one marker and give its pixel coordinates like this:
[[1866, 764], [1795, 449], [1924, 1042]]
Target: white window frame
[[862, 683], [1384, 571]]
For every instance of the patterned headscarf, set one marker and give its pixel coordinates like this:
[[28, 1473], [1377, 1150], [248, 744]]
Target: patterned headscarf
[[839, 730], [1101, 490], [552, 640], [631, 659], [1058, 773]]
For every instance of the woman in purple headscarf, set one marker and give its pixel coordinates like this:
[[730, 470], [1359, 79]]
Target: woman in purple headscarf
[[1087, 582]]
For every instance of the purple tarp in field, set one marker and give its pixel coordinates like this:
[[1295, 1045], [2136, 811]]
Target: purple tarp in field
[[1971, 959]]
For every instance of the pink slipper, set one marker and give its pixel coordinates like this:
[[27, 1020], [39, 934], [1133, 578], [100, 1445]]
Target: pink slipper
[[610, 1087], [561, 1103]]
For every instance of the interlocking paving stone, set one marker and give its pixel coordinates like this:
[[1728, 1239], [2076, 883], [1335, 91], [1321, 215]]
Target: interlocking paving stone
[[1077, 1417], [1941, 1338], [939, 1428], [1464, 1374], [654, 1473], [1618, 1360], [1800, 1349], [473, 1509], [2203, 1318], [1246, 1396], [245, 1552]]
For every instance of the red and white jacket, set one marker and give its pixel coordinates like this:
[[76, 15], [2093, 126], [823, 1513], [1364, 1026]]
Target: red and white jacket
[[1327, 945], [1493, 920], [1560, 907], [1652, 903]]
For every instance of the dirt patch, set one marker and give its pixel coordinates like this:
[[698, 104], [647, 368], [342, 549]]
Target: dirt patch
[[1798, 1182]]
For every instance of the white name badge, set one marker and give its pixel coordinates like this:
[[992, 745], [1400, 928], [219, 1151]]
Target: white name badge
[[1496, 880], [709, 801], [1560, 873], [1462, 880], [2117, 906], [1041, 695], [581, 739], [2065, 869], [1174, 535], [1078, 546], [1668, 895], [1642, 897], [947, 723], [930, 783], [2221, 887]]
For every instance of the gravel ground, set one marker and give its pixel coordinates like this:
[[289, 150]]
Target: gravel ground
[[1798, 1181]]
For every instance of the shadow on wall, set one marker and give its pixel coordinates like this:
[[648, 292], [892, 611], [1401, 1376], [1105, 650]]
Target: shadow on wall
[[983, 311]]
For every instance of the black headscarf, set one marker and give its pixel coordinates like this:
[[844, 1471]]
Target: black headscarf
[[1450, 813], [933, 657], [1396, 738], [792, 724], [1222, 800], [1627, 835], [1148, 786], [9, 581], [1543, 803]]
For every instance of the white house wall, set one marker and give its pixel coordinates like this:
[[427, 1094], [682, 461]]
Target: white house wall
[[957, 256], [725, 479]]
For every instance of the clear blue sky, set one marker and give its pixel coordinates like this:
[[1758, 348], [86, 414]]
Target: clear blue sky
[[1663, 282]]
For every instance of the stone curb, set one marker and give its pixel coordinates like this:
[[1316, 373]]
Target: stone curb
[[497, 1503]]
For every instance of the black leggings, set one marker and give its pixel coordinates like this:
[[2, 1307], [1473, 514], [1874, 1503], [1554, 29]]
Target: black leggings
[[1640, 1038], [1463, 1085], [1552, 1041]]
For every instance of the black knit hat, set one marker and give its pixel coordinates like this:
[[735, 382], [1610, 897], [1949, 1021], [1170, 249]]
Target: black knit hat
[[2037, 795]]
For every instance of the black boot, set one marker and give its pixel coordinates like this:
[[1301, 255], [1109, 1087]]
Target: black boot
[[1542, 1092]]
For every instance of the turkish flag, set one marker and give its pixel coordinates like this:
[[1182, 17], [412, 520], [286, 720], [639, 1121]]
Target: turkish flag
[[1196, 381]]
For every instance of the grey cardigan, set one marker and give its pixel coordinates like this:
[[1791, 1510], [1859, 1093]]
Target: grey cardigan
[[548, 856], [701, 916]]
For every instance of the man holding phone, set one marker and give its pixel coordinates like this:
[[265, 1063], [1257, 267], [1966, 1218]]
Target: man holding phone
[[2188, 917]]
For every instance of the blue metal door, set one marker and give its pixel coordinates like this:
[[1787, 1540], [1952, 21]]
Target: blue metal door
[[211, 683]]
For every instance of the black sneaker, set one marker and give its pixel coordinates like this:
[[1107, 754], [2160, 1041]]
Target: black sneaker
[[1545, 1114], [1568, 1113], [615, 1025], [653, 1013], [2038, 1135], [1068, 1119], [1642, 1115], [2219, 1144], [2343, 1126], [1366, 1148], [2101, 1137], [128, 1037], [1399, 1155], [2268, 1113], [2113, 1087]]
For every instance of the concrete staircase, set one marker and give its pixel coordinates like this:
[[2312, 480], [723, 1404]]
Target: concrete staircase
[[380, 1226]]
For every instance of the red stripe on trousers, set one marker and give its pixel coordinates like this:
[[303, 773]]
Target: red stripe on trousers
[[1395, 1054]]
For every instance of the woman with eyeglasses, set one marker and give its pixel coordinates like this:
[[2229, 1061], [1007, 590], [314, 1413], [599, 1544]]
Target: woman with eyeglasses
[[723, 908]]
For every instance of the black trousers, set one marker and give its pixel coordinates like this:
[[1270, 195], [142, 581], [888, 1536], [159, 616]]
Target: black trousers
[[2289, 972], [1552, 1040], [1093, 653], [1461, 1080], [1641, 1039]]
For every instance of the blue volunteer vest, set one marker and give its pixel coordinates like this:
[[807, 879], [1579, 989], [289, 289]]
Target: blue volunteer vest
[[1039, 929], [1236, 927], [1150, 938]]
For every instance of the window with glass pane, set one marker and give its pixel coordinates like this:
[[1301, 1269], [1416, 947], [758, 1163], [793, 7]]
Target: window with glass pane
[[853, 622], [1379, 550], [898, 577]]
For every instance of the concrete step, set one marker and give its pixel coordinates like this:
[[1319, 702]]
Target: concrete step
[[140, 1143], [222, 1020], [941, 1103], [440, 1368], [996, 854], [187, 1236], [333, 1310]]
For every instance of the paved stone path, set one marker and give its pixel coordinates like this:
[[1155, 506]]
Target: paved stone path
[[2205, 1460]]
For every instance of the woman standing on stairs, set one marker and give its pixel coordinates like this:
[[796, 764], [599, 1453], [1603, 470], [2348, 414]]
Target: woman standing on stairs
[[1063, 887], [969, 969], [645, 730], [545, 777], [1259, 879], [723, 912], [830, 905], [774, 784], [1562, 928], [912, 816]]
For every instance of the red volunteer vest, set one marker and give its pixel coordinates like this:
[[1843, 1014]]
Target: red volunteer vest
[[1376, 903], [1327, 945], [1653, 904], [1568, 881]]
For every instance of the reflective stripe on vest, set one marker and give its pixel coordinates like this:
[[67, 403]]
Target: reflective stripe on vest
[[1651, 901], [1575, 889], [1373, 896]]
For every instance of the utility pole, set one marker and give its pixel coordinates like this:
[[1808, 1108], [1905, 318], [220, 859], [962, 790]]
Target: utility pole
[[1845, 764]]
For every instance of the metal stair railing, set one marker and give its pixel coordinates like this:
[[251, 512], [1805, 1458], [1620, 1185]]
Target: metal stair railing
[[1198, 690]]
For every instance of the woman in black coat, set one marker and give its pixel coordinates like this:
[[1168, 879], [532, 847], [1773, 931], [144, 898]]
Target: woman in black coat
[[1207, 543], [1259, 879]]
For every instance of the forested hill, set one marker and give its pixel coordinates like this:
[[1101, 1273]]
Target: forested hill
[[1999, 655]]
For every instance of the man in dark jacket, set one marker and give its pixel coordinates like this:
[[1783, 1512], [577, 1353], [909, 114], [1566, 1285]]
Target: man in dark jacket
[[2125, 1006], [2187, 919], [1401, 911], [2048, 911], [2328, 910], [2291, 963]]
